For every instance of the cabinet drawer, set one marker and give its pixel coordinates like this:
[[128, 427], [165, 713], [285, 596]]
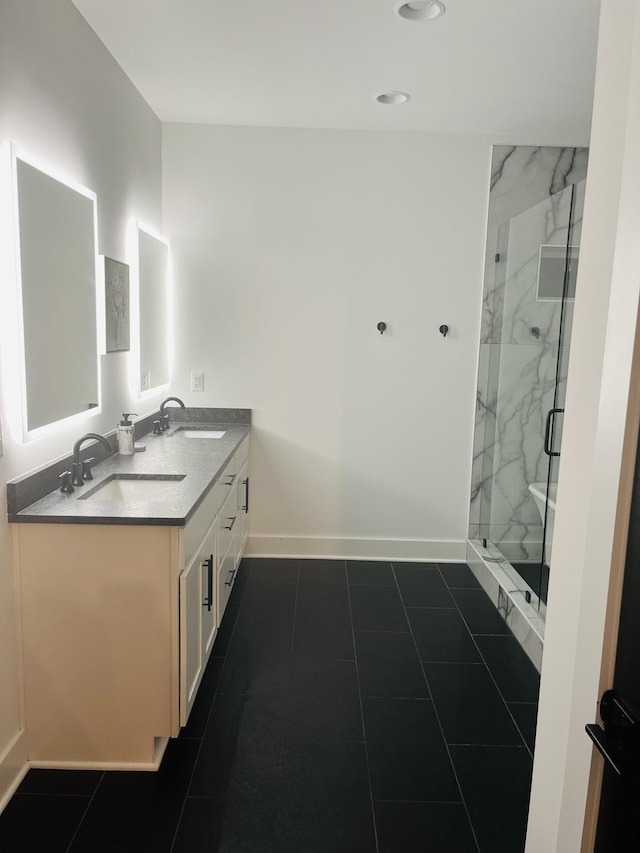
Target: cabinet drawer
[[229, 477], [228, 523]]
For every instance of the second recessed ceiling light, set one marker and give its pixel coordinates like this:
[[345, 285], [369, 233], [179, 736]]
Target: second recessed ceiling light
[[421, 10], [393, 98]]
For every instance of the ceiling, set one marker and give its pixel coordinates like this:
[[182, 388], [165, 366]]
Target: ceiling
[[506, 67]]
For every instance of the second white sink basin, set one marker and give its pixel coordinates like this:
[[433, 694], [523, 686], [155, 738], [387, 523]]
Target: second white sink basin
[[203, 433], [126, 489]]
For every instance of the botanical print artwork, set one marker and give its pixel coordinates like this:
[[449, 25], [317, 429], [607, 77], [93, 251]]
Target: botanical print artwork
[[116, 287]]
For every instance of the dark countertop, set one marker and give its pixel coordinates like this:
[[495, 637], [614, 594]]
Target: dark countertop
[[201, 460]]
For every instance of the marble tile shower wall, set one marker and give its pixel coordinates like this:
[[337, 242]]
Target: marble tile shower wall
[[529, 206]]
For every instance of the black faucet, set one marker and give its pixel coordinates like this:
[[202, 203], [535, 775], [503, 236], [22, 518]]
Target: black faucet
[[76, 465], [164, 417]]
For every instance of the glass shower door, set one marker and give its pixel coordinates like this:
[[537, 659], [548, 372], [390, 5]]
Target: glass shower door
[[532, 309], [553, 433]]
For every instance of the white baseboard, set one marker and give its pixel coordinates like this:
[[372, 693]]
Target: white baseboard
[[150, 766], [13, 768], [417, 550]]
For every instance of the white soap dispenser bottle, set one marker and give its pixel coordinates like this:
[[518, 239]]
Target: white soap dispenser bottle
[[125, 435]]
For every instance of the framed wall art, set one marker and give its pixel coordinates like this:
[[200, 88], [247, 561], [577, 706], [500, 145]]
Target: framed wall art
[[116, 290]]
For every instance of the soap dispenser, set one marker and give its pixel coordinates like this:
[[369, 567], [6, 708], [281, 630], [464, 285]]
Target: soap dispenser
[[125, 435]]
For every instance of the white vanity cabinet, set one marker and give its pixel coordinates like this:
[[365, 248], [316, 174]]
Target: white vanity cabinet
[[117, 622]]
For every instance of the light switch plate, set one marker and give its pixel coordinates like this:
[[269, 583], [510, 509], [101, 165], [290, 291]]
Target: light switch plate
[[145, 381]]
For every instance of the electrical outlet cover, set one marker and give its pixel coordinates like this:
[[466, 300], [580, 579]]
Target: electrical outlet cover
[[197, 381]]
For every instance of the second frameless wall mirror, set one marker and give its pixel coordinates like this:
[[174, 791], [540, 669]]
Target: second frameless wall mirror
[[56, 261], [153, 307]]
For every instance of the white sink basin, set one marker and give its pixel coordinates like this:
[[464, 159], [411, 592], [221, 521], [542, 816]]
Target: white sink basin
[[203, 433], [125, 489]]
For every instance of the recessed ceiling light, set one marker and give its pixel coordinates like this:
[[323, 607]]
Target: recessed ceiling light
[[393, 98], [421, 10]]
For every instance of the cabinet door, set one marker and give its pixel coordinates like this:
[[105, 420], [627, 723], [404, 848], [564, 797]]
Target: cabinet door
[[198, 623], [209, 614], [190, 635]]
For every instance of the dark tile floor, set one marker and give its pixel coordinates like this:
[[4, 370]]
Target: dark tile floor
[[348, 707]]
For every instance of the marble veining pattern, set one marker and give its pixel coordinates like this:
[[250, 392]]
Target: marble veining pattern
[[530, 205], [521, 616]]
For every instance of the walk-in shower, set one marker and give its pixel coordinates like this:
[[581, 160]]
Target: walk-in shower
[[533, 241]]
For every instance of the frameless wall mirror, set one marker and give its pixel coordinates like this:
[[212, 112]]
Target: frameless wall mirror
[[153, 306], [56, 263]]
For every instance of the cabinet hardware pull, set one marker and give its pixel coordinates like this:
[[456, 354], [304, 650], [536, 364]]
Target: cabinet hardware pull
[[230, 581], [208, 602], [245, 483], [232, 478], [233, 521]]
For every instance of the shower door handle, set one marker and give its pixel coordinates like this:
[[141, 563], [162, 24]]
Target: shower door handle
[[548, 432]]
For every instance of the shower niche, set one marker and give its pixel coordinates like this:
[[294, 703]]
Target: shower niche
[[532, 256]]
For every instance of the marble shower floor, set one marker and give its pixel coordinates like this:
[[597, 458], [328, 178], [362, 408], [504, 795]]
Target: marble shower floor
[[348, 707]]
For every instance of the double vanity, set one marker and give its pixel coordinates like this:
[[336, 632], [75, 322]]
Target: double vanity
[[124, 566], [122, 585]]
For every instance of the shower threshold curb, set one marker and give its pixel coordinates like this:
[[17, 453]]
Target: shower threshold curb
[[522, 617]]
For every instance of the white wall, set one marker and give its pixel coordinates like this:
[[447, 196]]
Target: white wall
[[64, 100], [604, 330], [289, 246]]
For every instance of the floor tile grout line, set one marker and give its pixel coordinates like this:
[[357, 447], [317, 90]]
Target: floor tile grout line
[[437, 715], [213, 699], [84, 813], [491, 676], [364, 730]]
